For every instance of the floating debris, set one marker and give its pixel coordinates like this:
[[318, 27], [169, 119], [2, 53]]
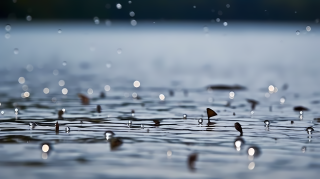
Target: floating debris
[[156, 122], [98, 108], [84, 99], [210, 113], [238, 127], [253, 103], [115, 143], [226, 87], [191, 161], [309, 130], [108, 134]]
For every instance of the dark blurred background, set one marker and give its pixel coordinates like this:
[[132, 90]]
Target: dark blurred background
[[168, 10]]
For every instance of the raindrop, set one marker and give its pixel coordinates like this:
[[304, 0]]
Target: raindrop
[[2, 112], [218, 19], [132, 14], [309, 130], [108, 22], [90, 91], [67, 129], [96, 20], [129, 2], [59, 31], [205, 29], [297, 32], [108, 65], [184, 116], [29, 68], [119, 6], [21, 80], [46, 90], [7, 27], [303, 149], [119, 51], [194, 7], [64, 91], [267, 123], [308, 28], [162, 97], [55, 72], [61, 83], [64, 63], [200, 121], [108, 134], [228, 5], [317, 21], [7, 35], [225, 23], [129, 124], [32, 125], [16, 111], [133, 22], [282, 100], [29, 18], [16, 51], [142, 126]]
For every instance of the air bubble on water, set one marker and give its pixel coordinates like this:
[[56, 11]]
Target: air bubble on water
[[2, 112], [7, 35], [132, 14], [96, 20], [184, 116], [108, 22], [16, 51], [133, 22], [308, 28], [67, 129], [129, 124], [119, 51], [29, 18], [7, 27], [218, 19], [267, 123], [119, 6], [64, 63], [59, 31], [225, 23], [142, 126], [298, 32], [200, 121]]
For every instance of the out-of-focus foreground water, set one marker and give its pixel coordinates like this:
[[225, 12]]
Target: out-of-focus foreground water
[[182, 57]]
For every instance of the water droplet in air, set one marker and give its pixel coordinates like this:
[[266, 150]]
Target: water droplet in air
[[16, 51], [55, 72], [133, 22], [29, 68], [96, 20], [184, 116], [2, 112], [309, 130], [132, 14], [267, 123], [205, 29], [61, 83], [282, 100], [64, 63], [129, 123], [119, 51], [129, 2], [142, 126], [162, 97], [108, 22], [298, 32], [67, 129], [308, 28], [225, 23], [59, 31], [29, 18], [200, 121], [218, 19], [228, 5], [194, 7], [108, 65], [7, 35], [7, 27], [16, 111], [119, 6]]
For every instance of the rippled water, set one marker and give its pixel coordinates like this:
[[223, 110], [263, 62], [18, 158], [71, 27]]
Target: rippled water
[[180, 58]]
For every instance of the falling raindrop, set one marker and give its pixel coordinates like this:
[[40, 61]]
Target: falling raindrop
[[200, 121], [64, 63], [129, 124], [108, 22], [7, 35], [228, 5], [267, 123], [119, 51], [184, 116], [32, 125], [29, 18], [282, 100], [59, 31], [194, 7], [108, 134], [225, 23], [55, 72], [16, 51], [298, 32], [218, 19], [132, 14], [133, 22], [308, 28], [129, 2], [16, 111], [108, 65], [2, 112], [96, 20], [7, 27], [205, 29], [119, 6], [29, 68]]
